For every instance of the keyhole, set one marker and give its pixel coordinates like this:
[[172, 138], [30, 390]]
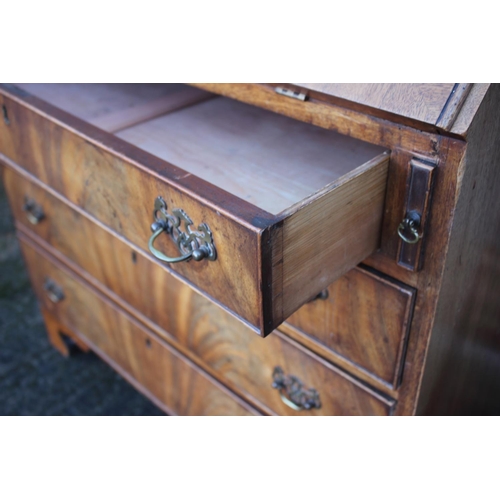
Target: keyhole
[[5, 115]]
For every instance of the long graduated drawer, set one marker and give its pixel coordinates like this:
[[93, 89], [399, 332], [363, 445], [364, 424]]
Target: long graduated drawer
[[216, 340], [256, 210], [170, 380]]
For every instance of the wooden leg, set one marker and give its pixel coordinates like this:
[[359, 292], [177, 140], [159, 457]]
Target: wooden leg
[[64, 340]]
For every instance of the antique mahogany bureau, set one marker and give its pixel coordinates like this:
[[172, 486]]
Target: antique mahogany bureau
[[290, 249]]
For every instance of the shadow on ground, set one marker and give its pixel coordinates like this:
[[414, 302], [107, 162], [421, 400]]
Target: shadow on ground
[[34, 378]]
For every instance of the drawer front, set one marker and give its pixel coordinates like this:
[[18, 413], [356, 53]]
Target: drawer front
[[165, 374], [364, 318], [266, 265], [224, 345], [121, 194]]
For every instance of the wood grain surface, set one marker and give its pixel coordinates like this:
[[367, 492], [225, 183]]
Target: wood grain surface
[[97, 101], [128, 117], [420, 101], [366, 318], [268, 160], [221, 344], [257, 263], [343, 225], [452, 332], [387, 124], [428, 280], [121, 195], [177, 384], [462, 372]]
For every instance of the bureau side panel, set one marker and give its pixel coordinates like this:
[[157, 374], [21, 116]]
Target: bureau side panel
[[462, 371]]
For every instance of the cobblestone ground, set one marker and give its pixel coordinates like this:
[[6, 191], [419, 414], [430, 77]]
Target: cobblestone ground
[[34, 378]]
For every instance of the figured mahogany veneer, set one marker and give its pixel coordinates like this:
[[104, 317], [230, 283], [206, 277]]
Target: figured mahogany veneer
[[315, 198], [365, 318], [297, 192], [173, 382], [221, 344]]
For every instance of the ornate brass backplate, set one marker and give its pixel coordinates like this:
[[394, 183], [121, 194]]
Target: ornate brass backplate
[[197, 244], [293, 393]]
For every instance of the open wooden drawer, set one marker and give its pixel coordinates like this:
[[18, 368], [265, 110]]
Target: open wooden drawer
[[261, 212]]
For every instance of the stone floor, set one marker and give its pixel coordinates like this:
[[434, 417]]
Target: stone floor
[[34, 378]]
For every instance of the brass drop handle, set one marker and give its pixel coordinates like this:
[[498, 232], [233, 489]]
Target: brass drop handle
[[34, 212], [158, 228], [408, 230], [197, 245], [293, 393], [54, 291]]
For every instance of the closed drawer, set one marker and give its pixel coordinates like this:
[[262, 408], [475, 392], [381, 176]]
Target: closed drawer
[[287, 207], [365, 317], [178, 385], [221, 344]]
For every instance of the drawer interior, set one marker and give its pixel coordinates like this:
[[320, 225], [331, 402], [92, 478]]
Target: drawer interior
[[269, 160]]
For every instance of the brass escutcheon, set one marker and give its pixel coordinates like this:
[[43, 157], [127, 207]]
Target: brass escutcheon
[[410, 224]]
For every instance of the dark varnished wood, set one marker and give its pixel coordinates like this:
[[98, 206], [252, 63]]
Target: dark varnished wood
[[462, 371], [173, 381], [220, 343], [418, 200]]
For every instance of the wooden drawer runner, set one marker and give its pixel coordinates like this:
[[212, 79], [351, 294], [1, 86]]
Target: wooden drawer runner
[[177, 384], [365, 318], [222, 162], [221, 343]]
